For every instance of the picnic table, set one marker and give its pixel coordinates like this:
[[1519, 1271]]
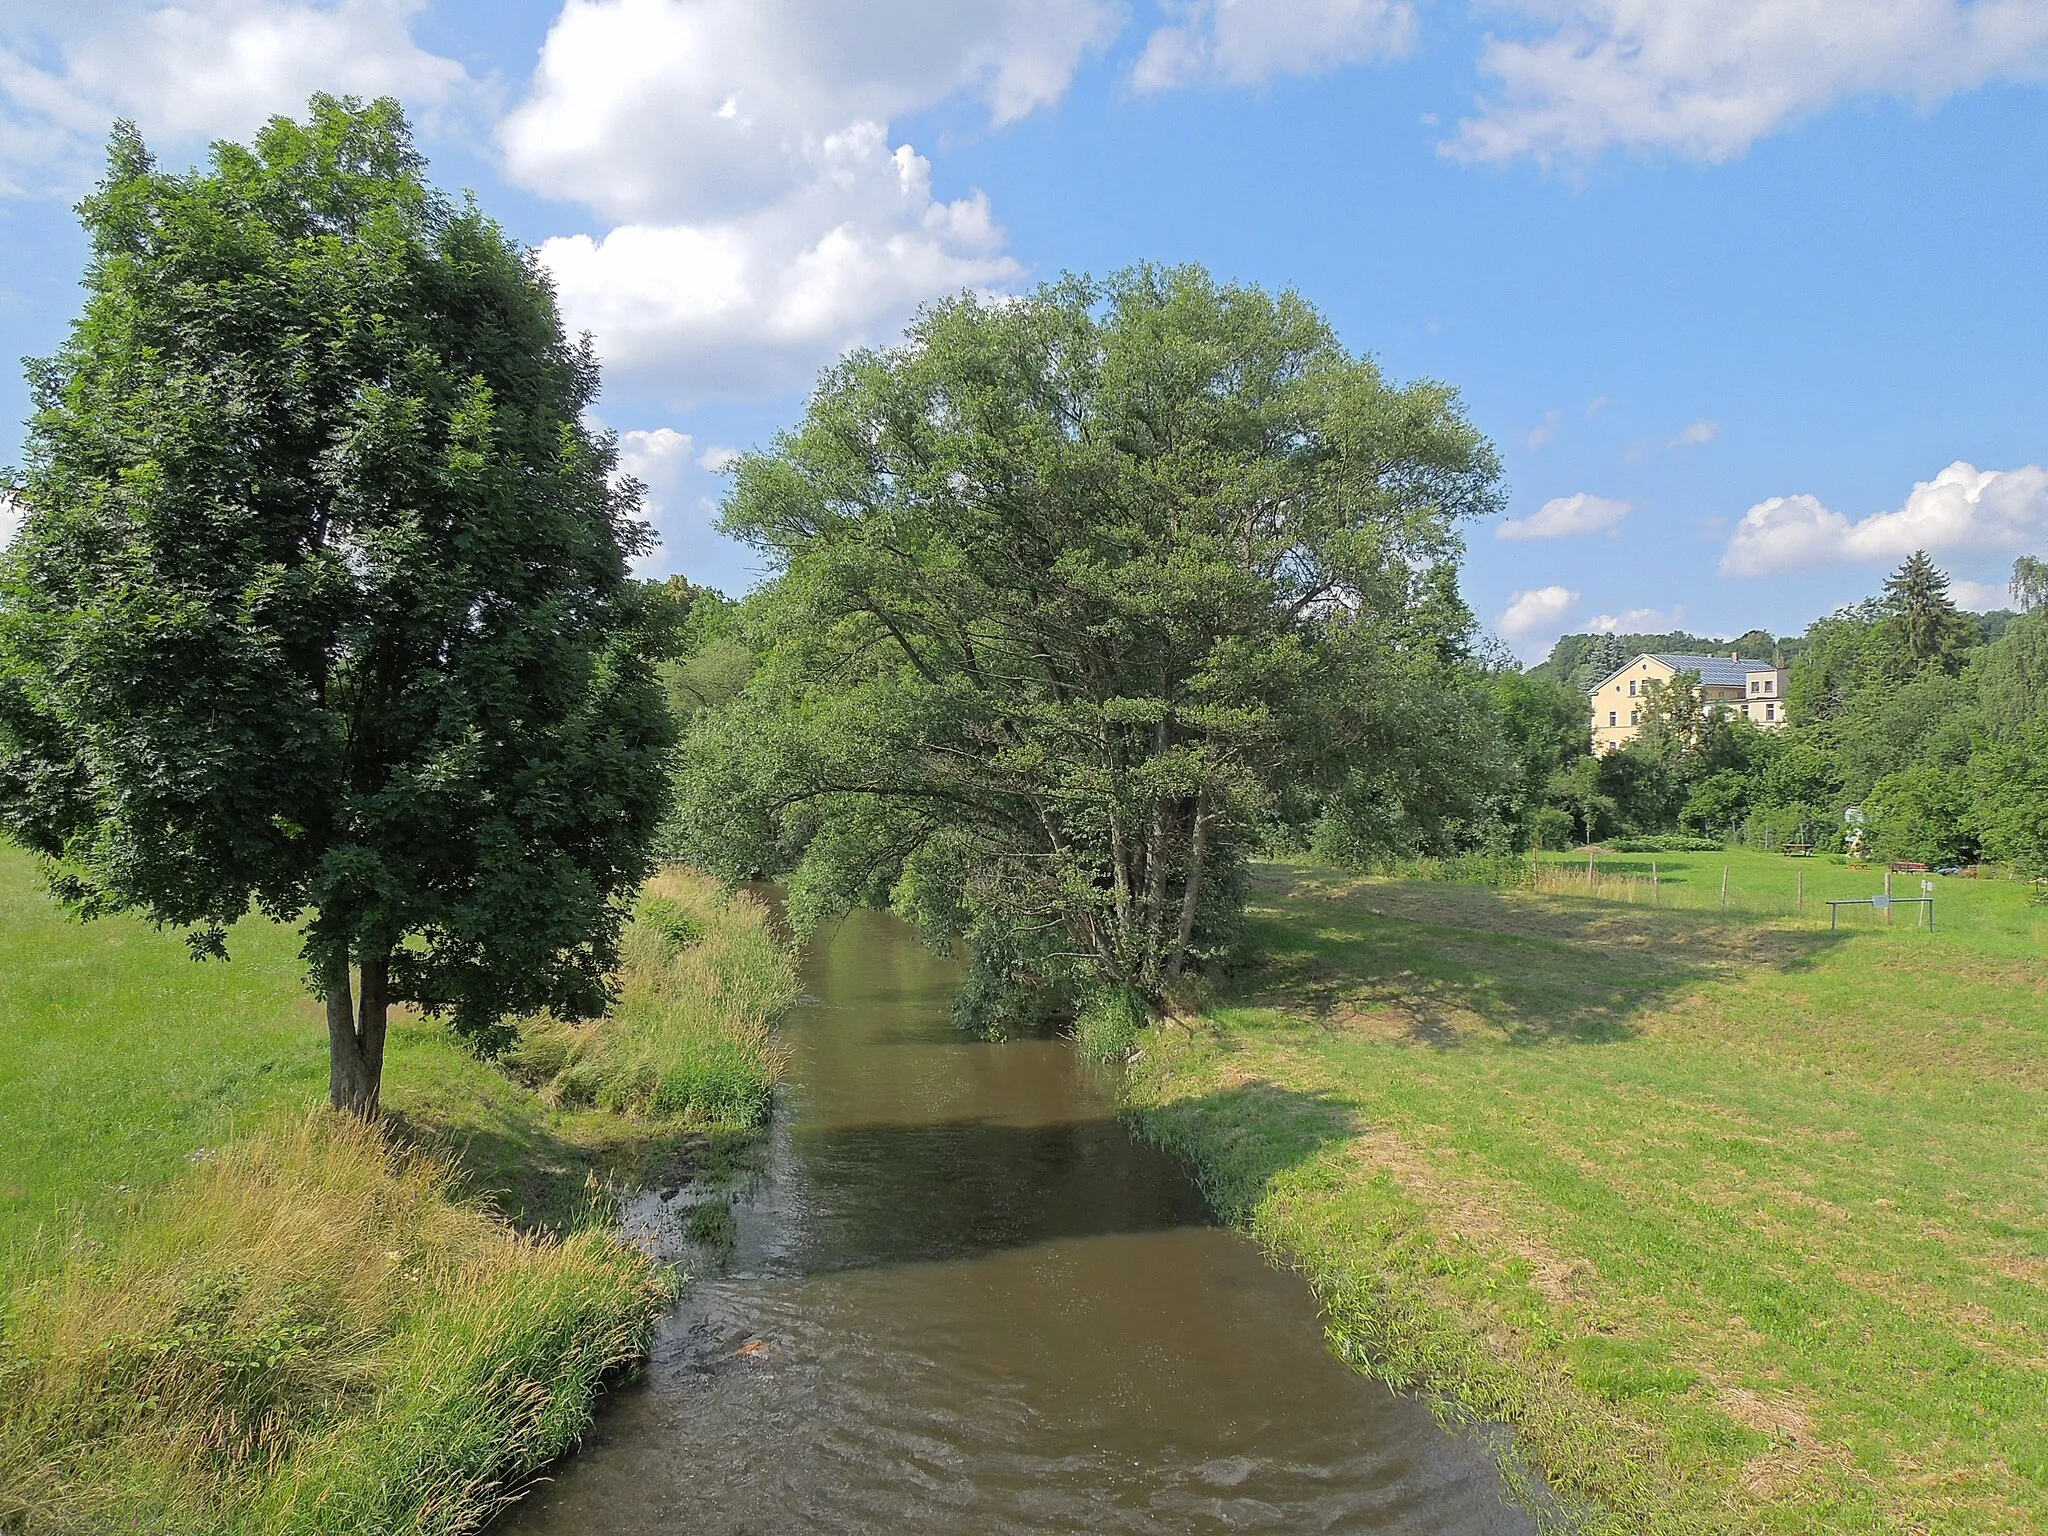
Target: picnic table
[[1798, 850]]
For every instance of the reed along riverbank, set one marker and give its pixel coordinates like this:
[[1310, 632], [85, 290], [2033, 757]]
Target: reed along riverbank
[[1741, 1224], [225, 1313]]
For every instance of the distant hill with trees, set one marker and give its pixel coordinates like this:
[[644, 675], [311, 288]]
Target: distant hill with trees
[[1582, 660]]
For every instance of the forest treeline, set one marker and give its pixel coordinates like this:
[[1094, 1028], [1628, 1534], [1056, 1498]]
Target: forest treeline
[[1930, 721]]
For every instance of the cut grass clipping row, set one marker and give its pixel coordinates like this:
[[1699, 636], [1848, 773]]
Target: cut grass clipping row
[[320, 1327], [1742, 1225]]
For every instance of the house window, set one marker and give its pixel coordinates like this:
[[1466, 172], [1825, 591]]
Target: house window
[[1631, 687], [1768, 688], [1635, 717], [1770, 711], [1756, 687], [1610, 717]]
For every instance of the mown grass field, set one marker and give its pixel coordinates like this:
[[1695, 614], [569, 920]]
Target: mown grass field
[[1771, 885], [120, 1058], [1743, 1225], [224, 1310]]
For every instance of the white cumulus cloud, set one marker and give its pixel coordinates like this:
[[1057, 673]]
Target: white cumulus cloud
[[764, 220], [717, 460], [745, 306], [1706, 79], [1532, 613], [674, 110], [191, 72], [1563, 517], [1637, 621], [1962, 510], [1250, 42], [10, 519], [1696, 434], [1981, 596], [657, 459]]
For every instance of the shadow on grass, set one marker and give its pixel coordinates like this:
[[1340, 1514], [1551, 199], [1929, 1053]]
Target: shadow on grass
[[1243, 1137], [555, 1178], [1447, 965]]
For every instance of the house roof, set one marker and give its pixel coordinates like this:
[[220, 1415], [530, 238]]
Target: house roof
[[1715, 671]]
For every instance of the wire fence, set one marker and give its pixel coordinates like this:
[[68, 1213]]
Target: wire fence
[[1691, 884]]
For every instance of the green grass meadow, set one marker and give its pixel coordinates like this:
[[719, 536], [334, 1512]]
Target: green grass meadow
[[223, 1309], [1740, 1223], [1771, 885]]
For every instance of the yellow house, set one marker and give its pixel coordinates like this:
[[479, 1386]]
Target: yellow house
[[1753, 689]]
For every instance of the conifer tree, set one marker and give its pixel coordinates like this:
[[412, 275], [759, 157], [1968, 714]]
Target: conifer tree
[[1921, 612]]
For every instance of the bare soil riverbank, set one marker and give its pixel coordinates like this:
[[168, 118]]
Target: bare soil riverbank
[[1740, 1223]]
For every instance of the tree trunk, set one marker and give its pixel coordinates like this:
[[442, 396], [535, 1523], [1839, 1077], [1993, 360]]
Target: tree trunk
[[355, 1035], [1154, 898], [1120, 874], [1153, 907], [1191, 898]]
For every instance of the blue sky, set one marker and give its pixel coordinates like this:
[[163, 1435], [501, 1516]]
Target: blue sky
[[1749, 293]]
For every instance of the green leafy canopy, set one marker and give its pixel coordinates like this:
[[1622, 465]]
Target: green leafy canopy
[[321, 600], [1072, 592]]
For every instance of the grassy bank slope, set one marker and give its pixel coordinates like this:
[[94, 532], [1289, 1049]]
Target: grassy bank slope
[[1743, 1225], [120, 1058], [220, 1314], [308, 1335]]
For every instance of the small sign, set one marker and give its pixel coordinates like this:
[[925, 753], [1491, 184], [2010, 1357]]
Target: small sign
[[1853, 815], [1880, 901]]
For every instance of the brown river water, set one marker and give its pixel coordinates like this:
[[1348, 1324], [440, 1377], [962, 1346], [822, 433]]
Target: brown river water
[[963, 1297]]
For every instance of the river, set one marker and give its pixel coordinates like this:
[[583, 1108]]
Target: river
[[962, 1297]]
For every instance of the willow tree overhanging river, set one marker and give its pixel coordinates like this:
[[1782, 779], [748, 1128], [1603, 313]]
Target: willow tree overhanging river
[[963, 1298]]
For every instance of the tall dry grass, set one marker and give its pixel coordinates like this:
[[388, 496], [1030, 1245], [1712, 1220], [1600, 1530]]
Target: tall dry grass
[[702, 977], [308, 1334]]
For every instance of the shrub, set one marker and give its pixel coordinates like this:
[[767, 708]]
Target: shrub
[[1666, 843], [1551, 828], [1108, 1024]]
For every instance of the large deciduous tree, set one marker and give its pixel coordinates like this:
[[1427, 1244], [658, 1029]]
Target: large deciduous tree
[[1069, 591], [2029, 583], [321, 599]]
